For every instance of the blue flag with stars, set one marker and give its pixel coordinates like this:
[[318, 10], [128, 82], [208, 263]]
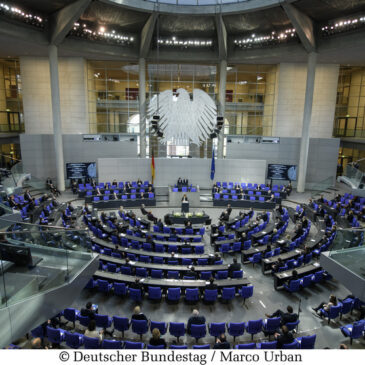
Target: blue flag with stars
[[212, 169]]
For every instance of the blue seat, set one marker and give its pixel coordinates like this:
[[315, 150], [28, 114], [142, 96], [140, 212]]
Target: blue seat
[[111, 344], [120, 289], [173, 294], [237, 246], [306, 342], [104, 286], [154, 293], [354, 330], [141, 271], [201, 347], [135, 294], [159, 347], [177, 347], [346, 306], [37, 332], [55, 335], [306, 281], [216, 329], [333, 313], [91, 343], [228, 293], [255, 259], [140, 327], [156, 274], [74, 340], [291, 346], [158, 260], [271, 326], [254, 327], [267, 345], [222, 275], [246, 292], [237, 274], [192, 295], [121, 324], [198, 331], [126, 270], [245, 346], [294, 286], [172, 274], [292, 325], [210, 296], [177, 329], [199, 250], [128, 345], [236, 329], [103, 321], [71, 315], [162, 326]]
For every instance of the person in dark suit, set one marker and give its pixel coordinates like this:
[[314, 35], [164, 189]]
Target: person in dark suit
[[350, 216], [280, 209], [191, 273], [136, 285], [229, 209], [138, 315], [320, 211], [88, 311], [286, 317], [284, 337], [27, 195], [128, 186], [159, 224], [49, 182], [211, 285], [224, 216], [195, 319], [139, 182], [86, 209], [70, 207], [12, 202], [179, 181], [184, 198], [221, 343], [213, 259], [143, 210], [235, 266], [321, 199]]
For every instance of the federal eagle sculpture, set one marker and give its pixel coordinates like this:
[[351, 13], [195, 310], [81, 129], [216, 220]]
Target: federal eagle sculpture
[[182, 118]]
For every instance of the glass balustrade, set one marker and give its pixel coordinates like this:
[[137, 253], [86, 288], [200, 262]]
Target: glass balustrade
[[35, 258]]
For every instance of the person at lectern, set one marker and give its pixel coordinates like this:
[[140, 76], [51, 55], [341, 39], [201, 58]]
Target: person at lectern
[[184, 198]]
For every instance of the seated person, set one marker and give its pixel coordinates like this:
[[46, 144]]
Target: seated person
[[49, 182], [311, 204], [321, 199], [98, 192], [70, 207], [114, 196], [139, 182], [172, 260], [54, 190], [27, 195], [221, 343], [213, 259], [92, 332], [224, 216], [287, 317], [350, 216], [196, 318], [89, 310], [156, 339], [138, 315], [272, 198], [211, 285], [115, 183], [280, 209], [235, 266], [326, 306], [191, 273], [137, 285], [320, 211], [284, 337], [267, 249], [278, 266], [152, 218]]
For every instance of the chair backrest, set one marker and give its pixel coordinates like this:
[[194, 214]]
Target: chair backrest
[[247, 291], [177, 329], [198, 330], [254, 326], [91, 343], [268, 345], [192, 294], [335, 311], [111, 344], [139, 326], [162, 326], [236, 329], [210, 295], [133, 345], [245, 346], [307, 342], [292, 345], [121, 323], [273, 323], [181, 347], [173, 293], [228, 293]]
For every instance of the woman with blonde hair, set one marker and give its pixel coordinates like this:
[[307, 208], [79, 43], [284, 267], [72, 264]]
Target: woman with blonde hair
[[156, 339]]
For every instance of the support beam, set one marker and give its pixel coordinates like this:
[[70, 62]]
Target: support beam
[[56, 115], [222, 37], [303, 25], [62, 21], [307, 116], [222, 102], [146, 35], [142, 106]]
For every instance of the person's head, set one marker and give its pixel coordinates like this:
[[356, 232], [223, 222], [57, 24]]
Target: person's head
[[172, 254], [289, 308], [36, 343], [243, 234], [92, 325], [88, 305], [127, 260], [142, 206], [280, 260], [156, 333], [343, 347], [268, 248], [228, 206], [195, 312], [274, 231], [121, 208], [222, 337], [333, 299], [284, 329], [192, 268], [137, 310], [288, 237], [211, 280], [235, 261], [137, 281], [294, 273]]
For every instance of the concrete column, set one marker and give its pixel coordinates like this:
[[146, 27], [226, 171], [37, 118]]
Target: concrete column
[[307, 116], [56, 115], [222, 102], [142, 106], [3, 114]]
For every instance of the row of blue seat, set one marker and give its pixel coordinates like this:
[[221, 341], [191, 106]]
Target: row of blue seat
[[192, 295]]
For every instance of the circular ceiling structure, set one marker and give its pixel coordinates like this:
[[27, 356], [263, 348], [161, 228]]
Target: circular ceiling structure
[[198, 7]]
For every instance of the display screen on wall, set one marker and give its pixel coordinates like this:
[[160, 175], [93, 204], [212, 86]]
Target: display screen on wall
[[282, 172], [76, 170]]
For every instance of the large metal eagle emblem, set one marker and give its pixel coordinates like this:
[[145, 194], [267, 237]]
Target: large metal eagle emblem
[[182, 118]]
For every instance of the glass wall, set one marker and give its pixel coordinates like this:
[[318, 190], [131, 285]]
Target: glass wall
[[350, 104], [113, 99], [11, 102]]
